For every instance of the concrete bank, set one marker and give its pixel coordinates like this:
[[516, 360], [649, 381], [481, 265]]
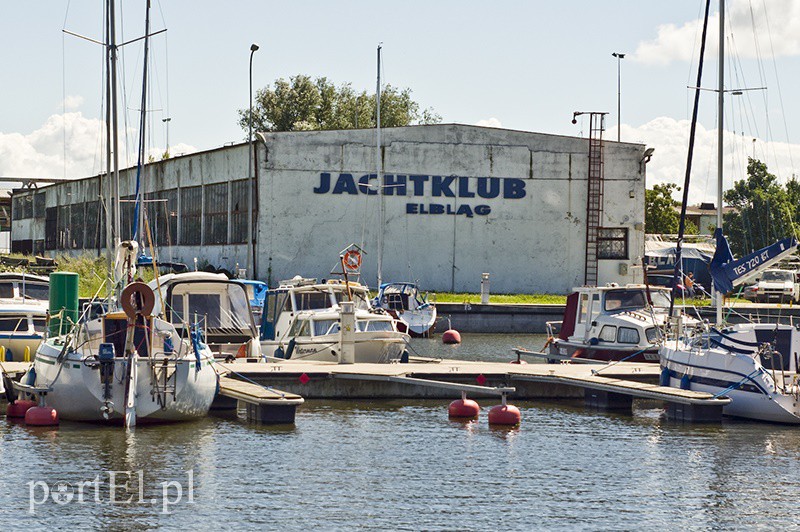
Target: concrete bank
[[531, 319]]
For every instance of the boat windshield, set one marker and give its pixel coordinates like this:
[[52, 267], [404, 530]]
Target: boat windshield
[[776, 275], [35, 291], [359, 298], [625, 299], [323, 327], [660, 298], [374, 326], [317, 300], [219, 306]]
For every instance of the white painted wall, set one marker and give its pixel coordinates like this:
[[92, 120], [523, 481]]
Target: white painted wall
[[532, 244]]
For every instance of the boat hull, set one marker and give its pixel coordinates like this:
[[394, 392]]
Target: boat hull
[[416, 323], [78, 392], [370, 347], [750, 387], [565, 350]]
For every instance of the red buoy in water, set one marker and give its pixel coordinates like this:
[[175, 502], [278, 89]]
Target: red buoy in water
[[19, 407], [464, 408], [504, 414], [451, 336], [41, 416]]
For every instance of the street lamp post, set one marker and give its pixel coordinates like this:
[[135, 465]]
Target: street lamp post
[[250, 273], [619, 57]]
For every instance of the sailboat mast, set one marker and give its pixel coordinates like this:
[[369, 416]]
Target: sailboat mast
[[107, 190], [720, 124], [381, 215], [140, 166], [112, 47]]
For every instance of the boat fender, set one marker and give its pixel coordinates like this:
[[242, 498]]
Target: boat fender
[[686, 382], [168, 347], [664, 378], [290, 349], [594, 341], [404, 357], [9, 355], [31, 377], [279, 352]]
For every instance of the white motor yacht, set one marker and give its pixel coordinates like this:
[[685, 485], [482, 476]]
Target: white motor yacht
[[301, 321]]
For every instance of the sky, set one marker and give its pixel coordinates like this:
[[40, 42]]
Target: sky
[[524, 65]]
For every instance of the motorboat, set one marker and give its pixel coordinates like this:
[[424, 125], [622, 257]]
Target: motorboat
[[405, 302], [302, 321], [754, 364], [611, 323], [23, 314], [218, 305], [256, 294]]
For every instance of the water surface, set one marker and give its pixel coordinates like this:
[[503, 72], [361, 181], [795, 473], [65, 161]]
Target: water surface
[[402, 465]]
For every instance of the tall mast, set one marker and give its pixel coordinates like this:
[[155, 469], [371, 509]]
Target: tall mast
[[112, 47], [107, 189], [720, 124], [140, 165], [381, 215]]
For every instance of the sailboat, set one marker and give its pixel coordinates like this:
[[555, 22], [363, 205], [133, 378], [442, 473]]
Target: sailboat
[[131, 364], [401, 300], [755, 365]]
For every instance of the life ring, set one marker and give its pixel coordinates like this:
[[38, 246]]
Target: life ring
[[352, 260], [137, 298]]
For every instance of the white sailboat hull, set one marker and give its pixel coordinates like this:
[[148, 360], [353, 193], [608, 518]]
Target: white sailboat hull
[[78, 392], [740, 377]]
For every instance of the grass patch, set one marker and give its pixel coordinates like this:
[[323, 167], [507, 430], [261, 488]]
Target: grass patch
[[518, 299]]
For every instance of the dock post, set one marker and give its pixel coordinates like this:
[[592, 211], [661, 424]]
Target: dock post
[[484, 289], [347, 347]]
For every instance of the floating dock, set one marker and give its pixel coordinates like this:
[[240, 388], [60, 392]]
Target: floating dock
[[263, 404], [610, 387]]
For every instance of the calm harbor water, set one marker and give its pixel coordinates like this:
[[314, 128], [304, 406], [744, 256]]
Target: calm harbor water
[[403, 465]]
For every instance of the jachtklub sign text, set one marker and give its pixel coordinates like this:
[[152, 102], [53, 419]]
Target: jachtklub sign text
[[434, 186]]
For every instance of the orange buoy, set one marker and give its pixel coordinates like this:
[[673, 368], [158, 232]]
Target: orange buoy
[[451, 336], [41, 416], [463, 408], [19, 407], [504, 414]]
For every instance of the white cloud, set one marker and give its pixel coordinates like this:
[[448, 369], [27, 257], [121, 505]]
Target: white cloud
[[489, 122], [71, 103], [670, 138], [68, 145], [776, 32]]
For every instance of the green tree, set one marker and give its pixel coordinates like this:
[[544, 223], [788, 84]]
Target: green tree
[[762, 209], [660, 214], [302, 103]]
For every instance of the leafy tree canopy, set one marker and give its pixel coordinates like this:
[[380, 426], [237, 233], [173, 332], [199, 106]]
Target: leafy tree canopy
[[659, 211], [302, 104], [764, 211]]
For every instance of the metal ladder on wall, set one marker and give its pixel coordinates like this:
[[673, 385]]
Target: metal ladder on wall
[[594, 196]]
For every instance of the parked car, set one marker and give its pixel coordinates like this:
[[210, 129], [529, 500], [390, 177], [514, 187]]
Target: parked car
[[775, 285]]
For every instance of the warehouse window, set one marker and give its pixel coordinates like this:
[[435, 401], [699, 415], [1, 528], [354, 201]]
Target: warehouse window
[[95, 226], [216, 214], [163, 217], [612, 243], [22, 207], [77, 225], [191, 215], [239, 190], [51, 228], [38, 205], [64, 229]]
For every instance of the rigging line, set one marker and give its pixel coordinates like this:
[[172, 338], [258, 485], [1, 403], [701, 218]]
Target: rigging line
[[762, 77], [778, 84], [166, 61]]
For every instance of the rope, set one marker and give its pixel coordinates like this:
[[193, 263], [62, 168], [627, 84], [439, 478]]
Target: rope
[[736, 385], [596, 371]]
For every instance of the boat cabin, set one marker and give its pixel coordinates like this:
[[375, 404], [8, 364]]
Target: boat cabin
[[24, 286], [307, 300], [614, 314]]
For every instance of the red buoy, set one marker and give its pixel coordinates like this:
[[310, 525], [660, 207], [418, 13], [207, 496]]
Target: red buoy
[[504, 415], [19, 407], [451, 336], [42, 416], [464, 408]]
